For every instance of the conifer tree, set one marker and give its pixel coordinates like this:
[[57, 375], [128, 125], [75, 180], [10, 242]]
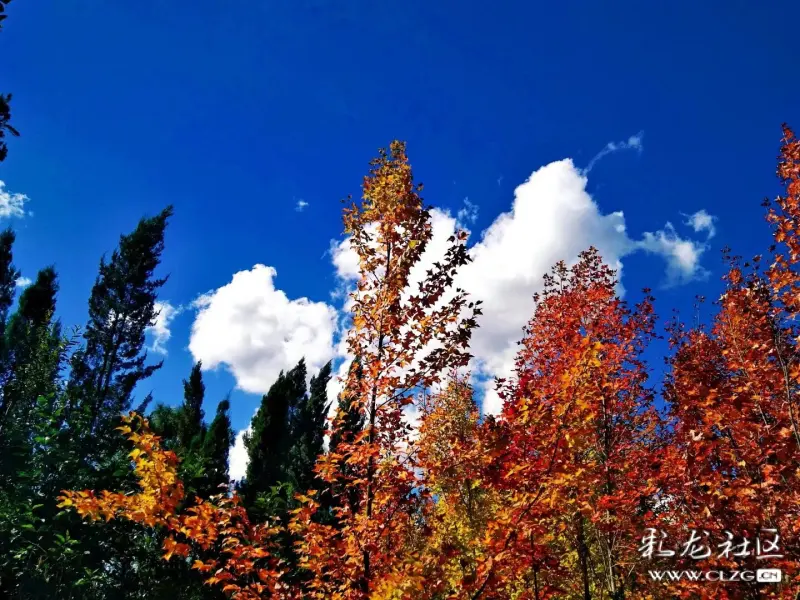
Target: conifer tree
[[8, 278], [31, 341], [5, 126], [191, 415], [113, 360], [216, 450], [269, 443], [5, 102], [349, 419], [104, 373], [38, 301], [307, 429], [164, 420]]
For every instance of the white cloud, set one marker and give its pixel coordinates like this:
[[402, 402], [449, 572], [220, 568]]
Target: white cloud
[[255, 330], [632, 143], [345, 260], [301, 205], [11, 205], [237, 459], [160, 329], [23, 282], [702, 221], [552, 218]]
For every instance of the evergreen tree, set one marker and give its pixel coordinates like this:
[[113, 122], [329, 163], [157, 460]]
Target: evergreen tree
[[103, 375], [5, 126], [31, 342], [191, 415], [307, 430], [37, 303], [268, 444], [3, 4], [348, 424], [8, 282], [8, 276], [216, 449], [5, 102], [352, 420], [113, 361], [165, 422]]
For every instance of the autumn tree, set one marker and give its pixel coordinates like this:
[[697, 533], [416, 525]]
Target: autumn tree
[[406, 335], [457, 469], [732, 390], [576, 429]]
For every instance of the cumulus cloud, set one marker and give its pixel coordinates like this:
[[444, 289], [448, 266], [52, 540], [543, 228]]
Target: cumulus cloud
[[23, 282], [632, 143], [11, 204], [255, 330], [301, 205], [160, 329], [552, 218]]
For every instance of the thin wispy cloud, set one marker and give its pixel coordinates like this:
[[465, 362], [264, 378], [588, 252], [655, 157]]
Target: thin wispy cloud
[[467, 214], [632, 143], [23, 282], [300, 205], [702, 221], [682, 255]]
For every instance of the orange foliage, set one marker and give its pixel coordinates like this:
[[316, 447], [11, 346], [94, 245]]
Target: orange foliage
[[220, 527]]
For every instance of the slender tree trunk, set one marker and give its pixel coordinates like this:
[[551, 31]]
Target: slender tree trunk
[[371, 439], [583, 555]]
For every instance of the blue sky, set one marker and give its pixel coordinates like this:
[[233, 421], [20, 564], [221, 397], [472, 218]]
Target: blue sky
[[235, 112]]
